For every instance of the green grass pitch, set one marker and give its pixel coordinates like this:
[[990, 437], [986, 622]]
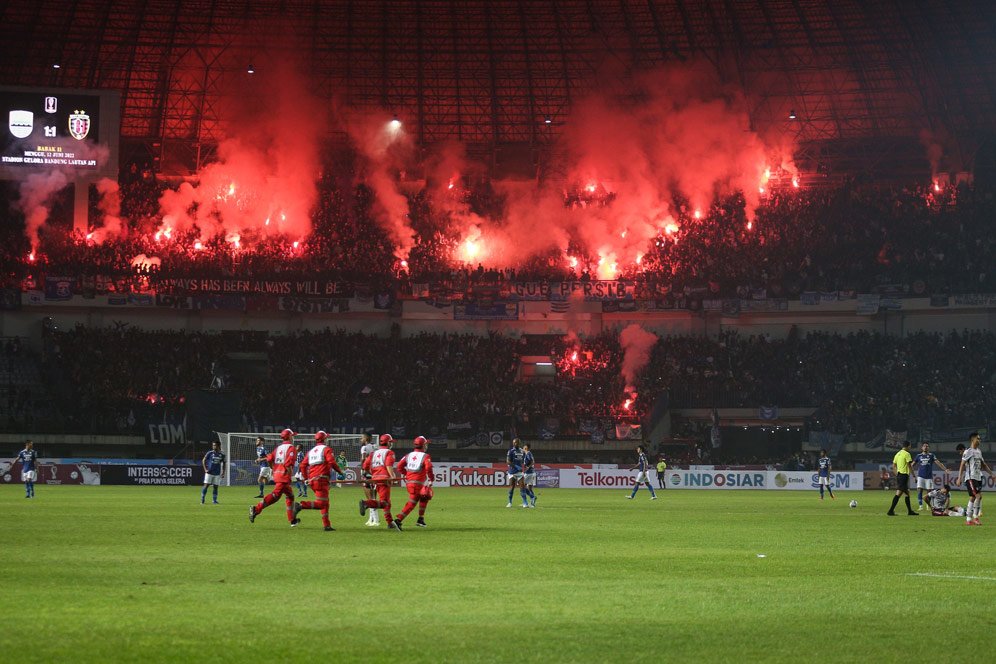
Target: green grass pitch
[[99, 574]]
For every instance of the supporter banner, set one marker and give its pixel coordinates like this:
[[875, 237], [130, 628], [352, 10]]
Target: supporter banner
[[977, 300], [210, 302], [314, 305], [562, 290], [939, 300], [768, 412], [867, 304], [891, 303], [809, 297], [59, 289], [486, 311], [167, 434], [805, 480], [780, 304], [143, 475], [628, 431], [55, 473], [10, 299], [316, 288], [141, 299]]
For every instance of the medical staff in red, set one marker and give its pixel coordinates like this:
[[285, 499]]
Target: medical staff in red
[[316, 468], [417, 469], [379, 467], [282, 461]]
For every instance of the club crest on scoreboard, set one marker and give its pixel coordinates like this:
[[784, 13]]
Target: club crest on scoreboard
[[79, 125], [21, 123]]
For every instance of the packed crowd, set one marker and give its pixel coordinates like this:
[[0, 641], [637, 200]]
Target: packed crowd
[[460, 383], [852, 237]]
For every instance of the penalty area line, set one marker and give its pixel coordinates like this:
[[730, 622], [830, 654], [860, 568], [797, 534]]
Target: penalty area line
[[953, 576]]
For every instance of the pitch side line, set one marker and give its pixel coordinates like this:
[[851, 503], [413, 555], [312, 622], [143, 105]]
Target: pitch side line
[[953, 576]]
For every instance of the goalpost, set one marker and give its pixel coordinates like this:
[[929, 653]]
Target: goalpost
[[240, 452]]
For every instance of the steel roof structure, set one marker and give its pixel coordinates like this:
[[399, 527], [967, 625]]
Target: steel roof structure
[[864, 80]]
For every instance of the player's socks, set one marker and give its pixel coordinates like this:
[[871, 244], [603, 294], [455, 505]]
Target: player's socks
[[821, 492], [653, 496], [262, 487], [525, 497], [214, 495], [831, 492], [204, 493], [511, 492], [895, 501], [635, 489], [909, 508]]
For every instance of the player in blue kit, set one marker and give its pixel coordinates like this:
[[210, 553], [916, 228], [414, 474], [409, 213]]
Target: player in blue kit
[[265, 472], [643, 476], [214, 468], [514, 460], [29, 472], [925, 461], [823, 468], [299, 483], [528, 474]]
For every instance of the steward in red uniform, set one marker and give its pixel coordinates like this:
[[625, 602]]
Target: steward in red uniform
[[316, 468], [282, 462], [417, 469], [379, 466]]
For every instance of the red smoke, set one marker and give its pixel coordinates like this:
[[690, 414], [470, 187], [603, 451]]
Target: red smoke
[[653, 143], [263, 183], [637, 344], [385, 149]]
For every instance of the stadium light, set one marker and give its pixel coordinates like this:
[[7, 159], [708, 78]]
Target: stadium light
[[56, 65], [792, 114], [548, 120], [395, 122], [250, 69]]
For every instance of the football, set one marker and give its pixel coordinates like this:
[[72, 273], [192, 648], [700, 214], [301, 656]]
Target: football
[[853, 504]]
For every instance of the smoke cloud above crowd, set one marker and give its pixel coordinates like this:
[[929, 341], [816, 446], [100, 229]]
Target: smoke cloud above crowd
[[642, 153]]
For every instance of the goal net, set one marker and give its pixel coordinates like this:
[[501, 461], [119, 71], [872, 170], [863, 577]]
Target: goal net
[[240, 452]]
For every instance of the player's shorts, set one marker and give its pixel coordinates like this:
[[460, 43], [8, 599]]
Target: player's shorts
[[513, 478], [824, 481], [974, 487], [903, 482], [529, 479], [29, 476], [266, 473], [925, 482], [642, 476], [214, 480]]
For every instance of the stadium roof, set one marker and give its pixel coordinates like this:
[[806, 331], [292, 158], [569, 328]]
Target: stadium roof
[[493, 72]]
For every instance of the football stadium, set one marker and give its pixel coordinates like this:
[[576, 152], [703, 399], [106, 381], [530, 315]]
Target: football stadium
[[497, 331]]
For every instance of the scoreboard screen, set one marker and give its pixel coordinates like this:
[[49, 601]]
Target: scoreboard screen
[[71, 130]]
